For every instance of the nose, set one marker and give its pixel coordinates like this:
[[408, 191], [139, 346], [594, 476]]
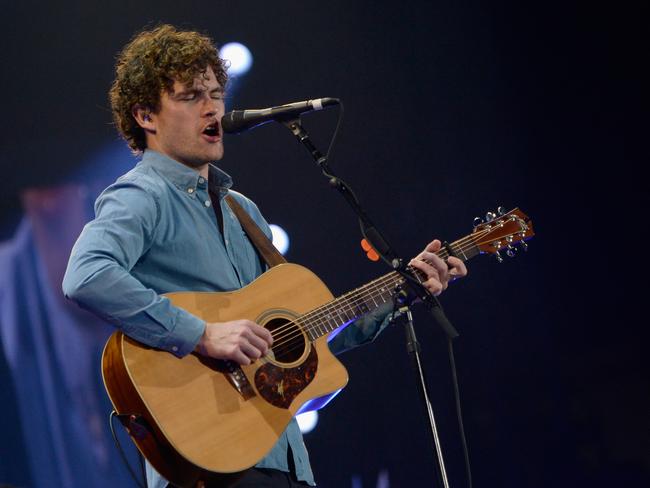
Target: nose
[[213, 108]]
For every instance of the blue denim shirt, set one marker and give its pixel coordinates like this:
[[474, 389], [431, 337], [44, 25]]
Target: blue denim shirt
[[155, 232]]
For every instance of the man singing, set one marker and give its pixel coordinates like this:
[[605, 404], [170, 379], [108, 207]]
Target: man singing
[[157, 230]]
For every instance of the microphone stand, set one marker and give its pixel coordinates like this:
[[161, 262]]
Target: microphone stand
[[413, 348], [413, 287]]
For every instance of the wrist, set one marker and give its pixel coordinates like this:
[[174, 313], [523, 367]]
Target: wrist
[[199, 346]]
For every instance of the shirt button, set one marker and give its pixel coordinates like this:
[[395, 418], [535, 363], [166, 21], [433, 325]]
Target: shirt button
[[201, 180], [207, 203], [174, 348], [190, 190]]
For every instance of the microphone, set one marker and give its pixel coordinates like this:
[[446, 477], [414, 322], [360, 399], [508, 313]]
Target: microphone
[[240, 120]]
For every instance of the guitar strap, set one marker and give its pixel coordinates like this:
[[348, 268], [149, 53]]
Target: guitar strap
[[263, 244]]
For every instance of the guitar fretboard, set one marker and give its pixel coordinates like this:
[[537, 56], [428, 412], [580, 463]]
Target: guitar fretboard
[[365, 299]]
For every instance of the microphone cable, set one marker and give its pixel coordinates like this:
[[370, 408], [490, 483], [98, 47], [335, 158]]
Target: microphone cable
[[459, 412], [123, 455]]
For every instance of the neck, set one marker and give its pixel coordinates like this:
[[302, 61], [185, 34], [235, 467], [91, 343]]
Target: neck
[[202, 170]]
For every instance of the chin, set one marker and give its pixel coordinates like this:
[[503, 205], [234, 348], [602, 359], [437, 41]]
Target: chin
[[193, 163], [202, 160], [216, 155]]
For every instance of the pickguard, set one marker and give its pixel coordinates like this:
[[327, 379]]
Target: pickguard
[[280, 386]]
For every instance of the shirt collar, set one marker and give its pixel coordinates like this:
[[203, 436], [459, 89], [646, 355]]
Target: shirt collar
[[184, 177]]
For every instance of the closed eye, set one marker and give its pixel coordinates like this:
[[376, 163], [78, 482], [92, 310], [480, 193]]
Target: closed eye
[[197, 94], [187, 96], [218, 94]]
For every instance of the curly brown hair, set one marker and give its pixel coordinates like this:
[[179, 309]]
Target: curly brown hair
[[149, 64]]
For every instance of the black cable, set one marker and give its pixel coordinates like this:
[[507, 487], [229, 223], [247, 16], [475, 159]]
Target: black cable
[[338, 182], [459, 412], [339, 120], [122, 455], [143, 469]]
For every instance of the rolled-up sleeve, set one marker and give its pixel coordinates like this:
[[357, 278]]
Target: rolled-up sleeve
[[98, 275], [363, 330]]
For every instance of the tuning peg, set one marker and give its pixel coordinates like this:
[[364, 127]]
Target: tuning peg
[[511, 251], [497, 254], [501, 211], [490, 216], [523, 245], [478, 221]]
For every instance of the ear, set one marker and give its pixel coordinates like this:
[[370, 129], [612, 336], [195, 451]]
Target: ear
[[144, 117]]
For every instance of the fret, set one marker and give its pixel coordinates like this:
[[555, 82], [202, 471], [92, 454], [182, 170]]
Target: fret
[[318, 333], [319, 324], [330, 322], [464, 251], [459, 252], [362, 308], [469, 253], [339, 321], [356, 306], [335, 316], [311, 333], [344, 313], [382, 291]]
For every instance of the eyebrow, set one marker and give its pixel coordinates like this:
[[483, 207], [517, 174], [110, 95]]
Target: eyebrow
[[193, 89]]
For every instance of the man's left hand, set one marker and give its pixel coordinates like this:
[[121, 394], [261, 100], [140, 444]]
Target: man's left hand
[[439, 273]]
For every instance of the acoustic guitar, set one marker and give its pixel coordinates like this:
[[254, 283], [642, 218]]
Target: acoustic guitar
[[201, 420]]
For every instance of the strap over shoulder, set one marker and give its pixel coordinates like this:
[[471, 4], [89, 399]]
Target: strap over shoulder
[[263, 244]]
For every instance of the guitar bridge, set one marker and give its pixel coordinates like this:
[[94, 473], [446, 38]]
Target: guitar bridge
[[233, 373], [238, 380]]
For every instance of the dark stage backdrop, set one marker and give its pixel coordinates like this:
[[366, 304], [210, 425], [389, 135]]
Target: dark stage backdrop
[[451, 109]]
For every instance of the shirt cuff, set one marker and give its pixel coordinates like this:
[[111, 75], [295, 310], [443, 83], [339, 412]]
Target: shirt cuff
[[363, 330], [186, 331]]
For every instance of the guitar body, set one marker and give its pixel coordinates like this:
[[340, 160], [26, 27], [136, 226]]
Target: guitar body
[[196, 418]]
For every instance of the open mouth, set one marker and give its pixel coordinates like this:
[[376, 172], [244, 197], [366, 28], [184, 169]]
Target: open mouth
[[212, 130]]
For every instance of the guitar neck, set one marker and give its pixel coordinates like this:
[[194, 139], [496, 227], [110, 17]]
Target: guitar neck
[[366, 298]]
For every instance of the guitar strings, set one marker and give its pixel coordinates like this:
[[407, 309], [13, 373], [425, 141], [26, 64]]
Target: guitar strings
[[357, 297], [289, 331], [442, 253], [379, 281], [289, 344], [344, 305], [285, 334], [292, 330]]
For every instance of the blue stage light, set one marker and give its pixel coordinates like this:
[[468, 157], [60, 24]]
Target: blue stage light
[[238, 56]]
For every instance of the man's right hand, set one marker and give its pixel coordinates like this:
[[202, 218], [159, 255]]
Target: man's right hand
[[242, 341]]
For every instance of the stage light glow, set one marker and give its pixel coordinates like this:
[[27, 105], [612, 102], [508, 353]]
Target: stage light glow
[[238, 56], [280, 238], [307, 421]]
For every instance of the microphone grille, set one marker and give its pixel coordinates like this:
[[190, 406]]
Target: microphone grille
[[229, 122]]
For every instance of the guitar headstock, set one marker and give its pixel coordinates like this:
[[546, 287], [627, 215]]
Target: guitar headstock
[[501, 231]]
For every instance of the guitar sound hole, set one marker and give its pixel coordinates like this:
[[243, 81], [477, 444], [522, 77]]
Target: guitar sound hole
[[288, 341]]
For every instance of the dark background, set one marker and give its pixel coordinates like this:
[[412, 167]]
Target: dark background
[[451, 109]]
